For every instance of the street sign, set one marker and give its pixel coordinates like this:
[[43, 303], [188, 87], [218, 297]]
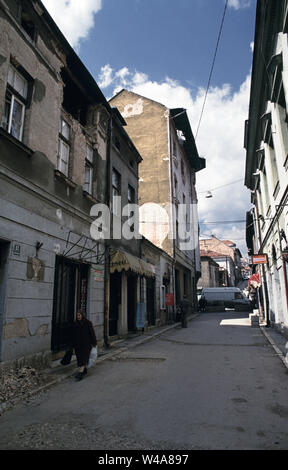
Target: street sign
[[259, 259]]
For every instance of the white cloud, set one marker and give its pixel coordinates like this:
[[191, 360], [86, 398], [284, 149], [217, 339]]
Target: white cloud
[[106, 76], [238, 4], [73, 17], [220, 140]]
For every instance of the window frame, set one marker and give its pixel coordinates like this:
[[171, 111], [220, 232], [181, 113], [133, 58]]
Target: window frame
[[132, 191], [14, 95], [65, 142], [89, 169], [116, 192]]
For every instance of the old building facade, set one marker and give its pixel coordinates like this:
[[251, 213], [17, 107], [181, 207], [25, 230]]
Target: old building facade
[[65, 160], [167, 185], [53, 143], [210, 271], [227, 255], [266, 143]]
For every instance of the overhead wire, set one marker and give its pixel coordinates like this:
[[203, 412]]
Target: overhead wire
[[212, 68], [222, 186], [223, 222]]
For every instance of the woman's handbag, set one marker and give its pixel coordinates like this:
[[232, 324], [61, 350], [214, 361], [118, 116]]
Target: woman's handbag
[[93, 356]]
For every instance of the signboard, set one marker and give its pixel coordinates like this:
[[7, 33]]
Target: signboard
[[259, 259], [16, 249], [140, 315], [98, 272], [169, 299]]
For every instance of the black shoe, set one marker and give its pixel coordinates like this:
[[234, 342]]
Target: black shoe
[[79, 376], [84, 371]]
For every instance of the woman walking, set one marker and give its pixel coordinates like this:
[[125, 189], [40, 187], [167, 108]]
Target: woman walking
[[83, 338]]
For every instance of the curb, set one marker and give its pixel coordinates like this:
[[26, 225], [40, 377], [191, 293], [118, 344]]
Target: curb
[[274, 345]]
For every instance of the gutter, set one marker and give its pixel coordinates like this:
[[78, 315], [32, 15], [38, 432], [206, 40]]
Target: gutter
[[107, 244]]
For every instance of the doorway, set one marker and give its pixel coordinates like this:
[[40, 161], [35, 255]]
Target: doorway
[[131, 302], [177, 286], [4, 255], [115, 302], [150, 300], [70, 295]]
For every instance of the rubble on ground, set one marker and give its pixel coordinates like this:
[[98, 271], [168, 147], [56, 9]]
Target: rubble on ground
[[18, 384]]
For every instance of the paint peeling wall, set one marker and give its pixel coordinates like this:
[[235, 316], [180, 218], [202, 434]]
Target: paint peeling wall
[[147, 127], [27, 316], [35, 205], [41, 125]]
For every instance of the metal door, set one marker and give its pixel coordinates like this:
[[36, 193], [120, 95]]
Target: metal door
[[70, 294]]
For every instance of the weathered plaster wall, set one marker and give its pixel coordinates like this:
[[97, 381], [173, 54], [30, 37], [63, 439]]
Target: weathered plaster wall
[[147, 126], [29, 214], [41, 125]]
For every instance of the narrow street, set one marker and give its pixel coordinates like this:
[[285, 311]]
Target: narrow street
[[216, 385]]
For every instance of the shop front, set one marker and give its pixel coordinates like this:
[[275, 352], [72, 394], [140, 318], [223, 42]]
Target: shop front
[[127, 274]]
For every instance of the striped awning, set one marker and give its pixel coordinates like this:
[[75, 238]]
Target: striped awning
[[121, 260]]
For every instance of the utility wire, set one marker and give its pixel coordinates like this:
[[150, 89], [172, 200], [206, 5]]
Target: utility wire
[[212, 67], [218, 187], [223, 222]]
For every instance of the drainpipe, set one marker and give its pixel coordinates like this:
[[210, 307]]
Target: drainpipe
[[107, 243]]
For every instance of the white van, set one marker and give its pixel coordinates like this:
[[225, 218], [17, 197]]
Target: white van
[[228, 297]]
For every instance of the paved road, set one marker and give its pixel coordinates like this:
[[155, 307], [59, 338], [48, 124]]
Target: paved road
[[216, 385]]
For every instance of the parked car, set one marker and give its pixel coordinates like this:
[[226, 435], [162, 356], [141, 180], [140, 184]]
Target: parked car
[[228, 297]]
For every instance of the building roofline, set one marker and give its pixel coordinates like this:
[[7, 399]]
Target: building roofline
[[136, 94], [74, 63]]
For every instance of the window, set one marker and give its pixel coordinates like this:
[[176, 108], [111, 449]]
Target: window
[[183, 171], [274, 169], [175, 187], [174, 149], [131, 194], [116, 191], [88, 169], [28, 25], [131, 200], [116, 183], [64, 147], [117, 143], [15, 101]]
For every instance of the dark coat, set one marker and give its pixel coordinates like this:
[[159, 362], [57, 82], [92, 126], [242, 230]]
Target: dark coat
[[83, 339], [185, 306]]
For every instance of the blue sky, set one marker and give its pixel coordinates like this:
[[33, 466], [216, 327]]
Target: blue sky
[[176, 39], [163, 49]]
